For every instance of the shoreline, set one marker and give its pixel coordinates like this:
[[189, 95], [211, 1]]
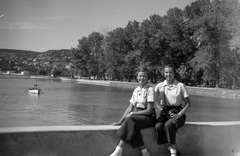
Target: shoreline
[[202, 91]]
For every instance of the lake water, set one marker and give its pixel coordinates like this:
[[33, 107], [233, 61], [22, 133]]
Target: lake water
[[69, 103]]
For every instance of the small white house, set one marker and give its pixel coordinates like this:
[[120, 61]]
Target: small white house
[[25, 73], [10, 72]]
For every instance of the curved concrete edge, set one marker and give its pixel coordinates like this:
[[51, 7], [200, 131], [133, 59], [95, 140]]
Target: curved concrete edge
[[220, 123], [198, 139], [95, 127], [57, 128]]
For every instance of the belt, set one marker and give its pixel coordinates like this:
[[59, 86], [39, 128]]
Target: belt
[[170, 107], [167, 108], [140, 108]]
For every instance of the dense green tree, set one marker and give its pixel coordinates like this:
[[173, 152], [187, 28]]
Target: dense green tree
[[82, 55], [181, 47], [204, 36], [232, 63], [153, 45], [42, 72], [94, 63], [212, 37], [132, 58], [115, 50]]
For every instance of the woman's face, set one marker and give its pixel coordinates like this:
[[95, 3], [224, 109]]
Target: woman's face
[[169, 74], [142, 78]]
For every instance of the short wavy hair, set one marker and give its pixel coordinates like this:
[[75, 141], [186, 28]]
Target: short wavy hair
[[142, 69], [171, 66]]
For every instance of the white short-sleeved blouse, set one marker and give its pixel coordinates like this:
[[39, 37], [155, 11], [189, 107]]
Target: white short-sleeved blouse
[[174, 93], [141, 96]]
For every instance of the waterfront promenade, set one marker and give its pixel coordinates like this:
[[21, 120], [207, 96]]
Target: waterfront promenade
[[203, 91]]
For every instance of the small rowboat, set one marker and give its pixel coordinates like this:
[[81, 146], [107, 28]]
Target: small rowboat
[[34, 90]]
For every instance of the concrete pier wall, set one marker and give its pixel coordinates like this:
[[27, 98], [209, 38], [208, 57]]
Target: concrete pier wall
[[198, 139], [215, 92], [95, 82]]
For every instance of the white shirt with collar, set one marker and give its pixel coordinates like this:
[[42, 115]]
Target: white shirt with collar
[[141, 96], [174, 93]]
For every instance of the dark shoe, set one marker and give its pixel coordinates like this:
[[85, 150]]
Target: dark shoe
[[178, 153]]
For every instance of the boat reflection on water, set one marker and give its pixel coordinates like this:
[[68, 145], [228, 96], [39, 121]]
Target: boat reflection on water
[[33, 96]]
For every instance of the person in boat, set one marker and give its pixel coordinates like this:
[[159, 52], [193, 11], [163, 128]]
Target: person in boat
[[138, 115], [172, 99], [35, 86]]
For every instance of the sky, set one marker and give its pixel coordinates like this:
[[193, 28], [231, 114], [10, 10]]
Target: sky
[[42, 25]]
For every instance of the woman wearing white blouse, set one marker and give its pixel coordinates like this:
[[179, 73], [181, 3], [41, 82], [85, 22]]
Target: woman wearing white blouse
[[137, 116], [173, 100]]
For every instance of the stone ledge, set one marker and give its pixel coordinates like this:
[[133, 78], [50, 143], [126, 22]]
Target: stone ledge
[[57, 128], [198, 139], [96, 127]]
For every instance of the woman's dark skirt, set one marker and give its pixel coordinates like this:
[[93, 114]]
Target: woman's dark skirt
[[130, 129], [166, 128]]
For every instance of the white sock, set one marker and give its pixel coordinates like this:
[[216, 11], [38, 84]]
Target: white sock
[[169, 148], [173, 151], [119, 149], [144, 150]]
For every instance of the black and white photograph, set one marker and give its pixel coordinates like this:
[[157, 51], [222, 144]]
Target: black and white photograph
[[119, 77]]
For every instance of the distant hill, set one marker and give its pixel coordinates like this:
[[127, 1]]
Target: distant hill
[[11, 59], [28, 52], [14, 54]]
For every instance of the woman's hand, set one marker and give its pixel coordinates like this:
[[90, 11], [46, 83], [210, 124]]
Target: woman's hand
[[128, 115], [116, 123], [129, 109], [174, 116]]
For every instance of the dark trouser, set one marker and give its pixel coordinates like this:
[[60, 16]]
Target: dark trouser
[[130, 129], [166, 128]]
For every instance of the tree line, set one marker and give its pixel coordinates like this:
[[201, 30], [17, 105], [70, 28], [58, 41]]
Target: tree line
[[204, 36]]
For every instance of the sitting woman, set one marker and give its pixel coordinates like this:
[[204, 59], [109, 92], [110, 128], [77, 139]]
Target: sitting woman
[[173, 99], [137, 116]]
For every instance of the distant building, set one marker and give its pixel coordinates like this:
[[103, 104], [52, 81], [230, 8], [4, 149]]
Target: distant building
[[10, 72], [25, 73], [17, 68], [69, 66]]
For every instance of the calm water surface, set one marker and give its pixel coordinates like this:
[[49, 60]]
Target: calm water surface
[[67, 103]]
